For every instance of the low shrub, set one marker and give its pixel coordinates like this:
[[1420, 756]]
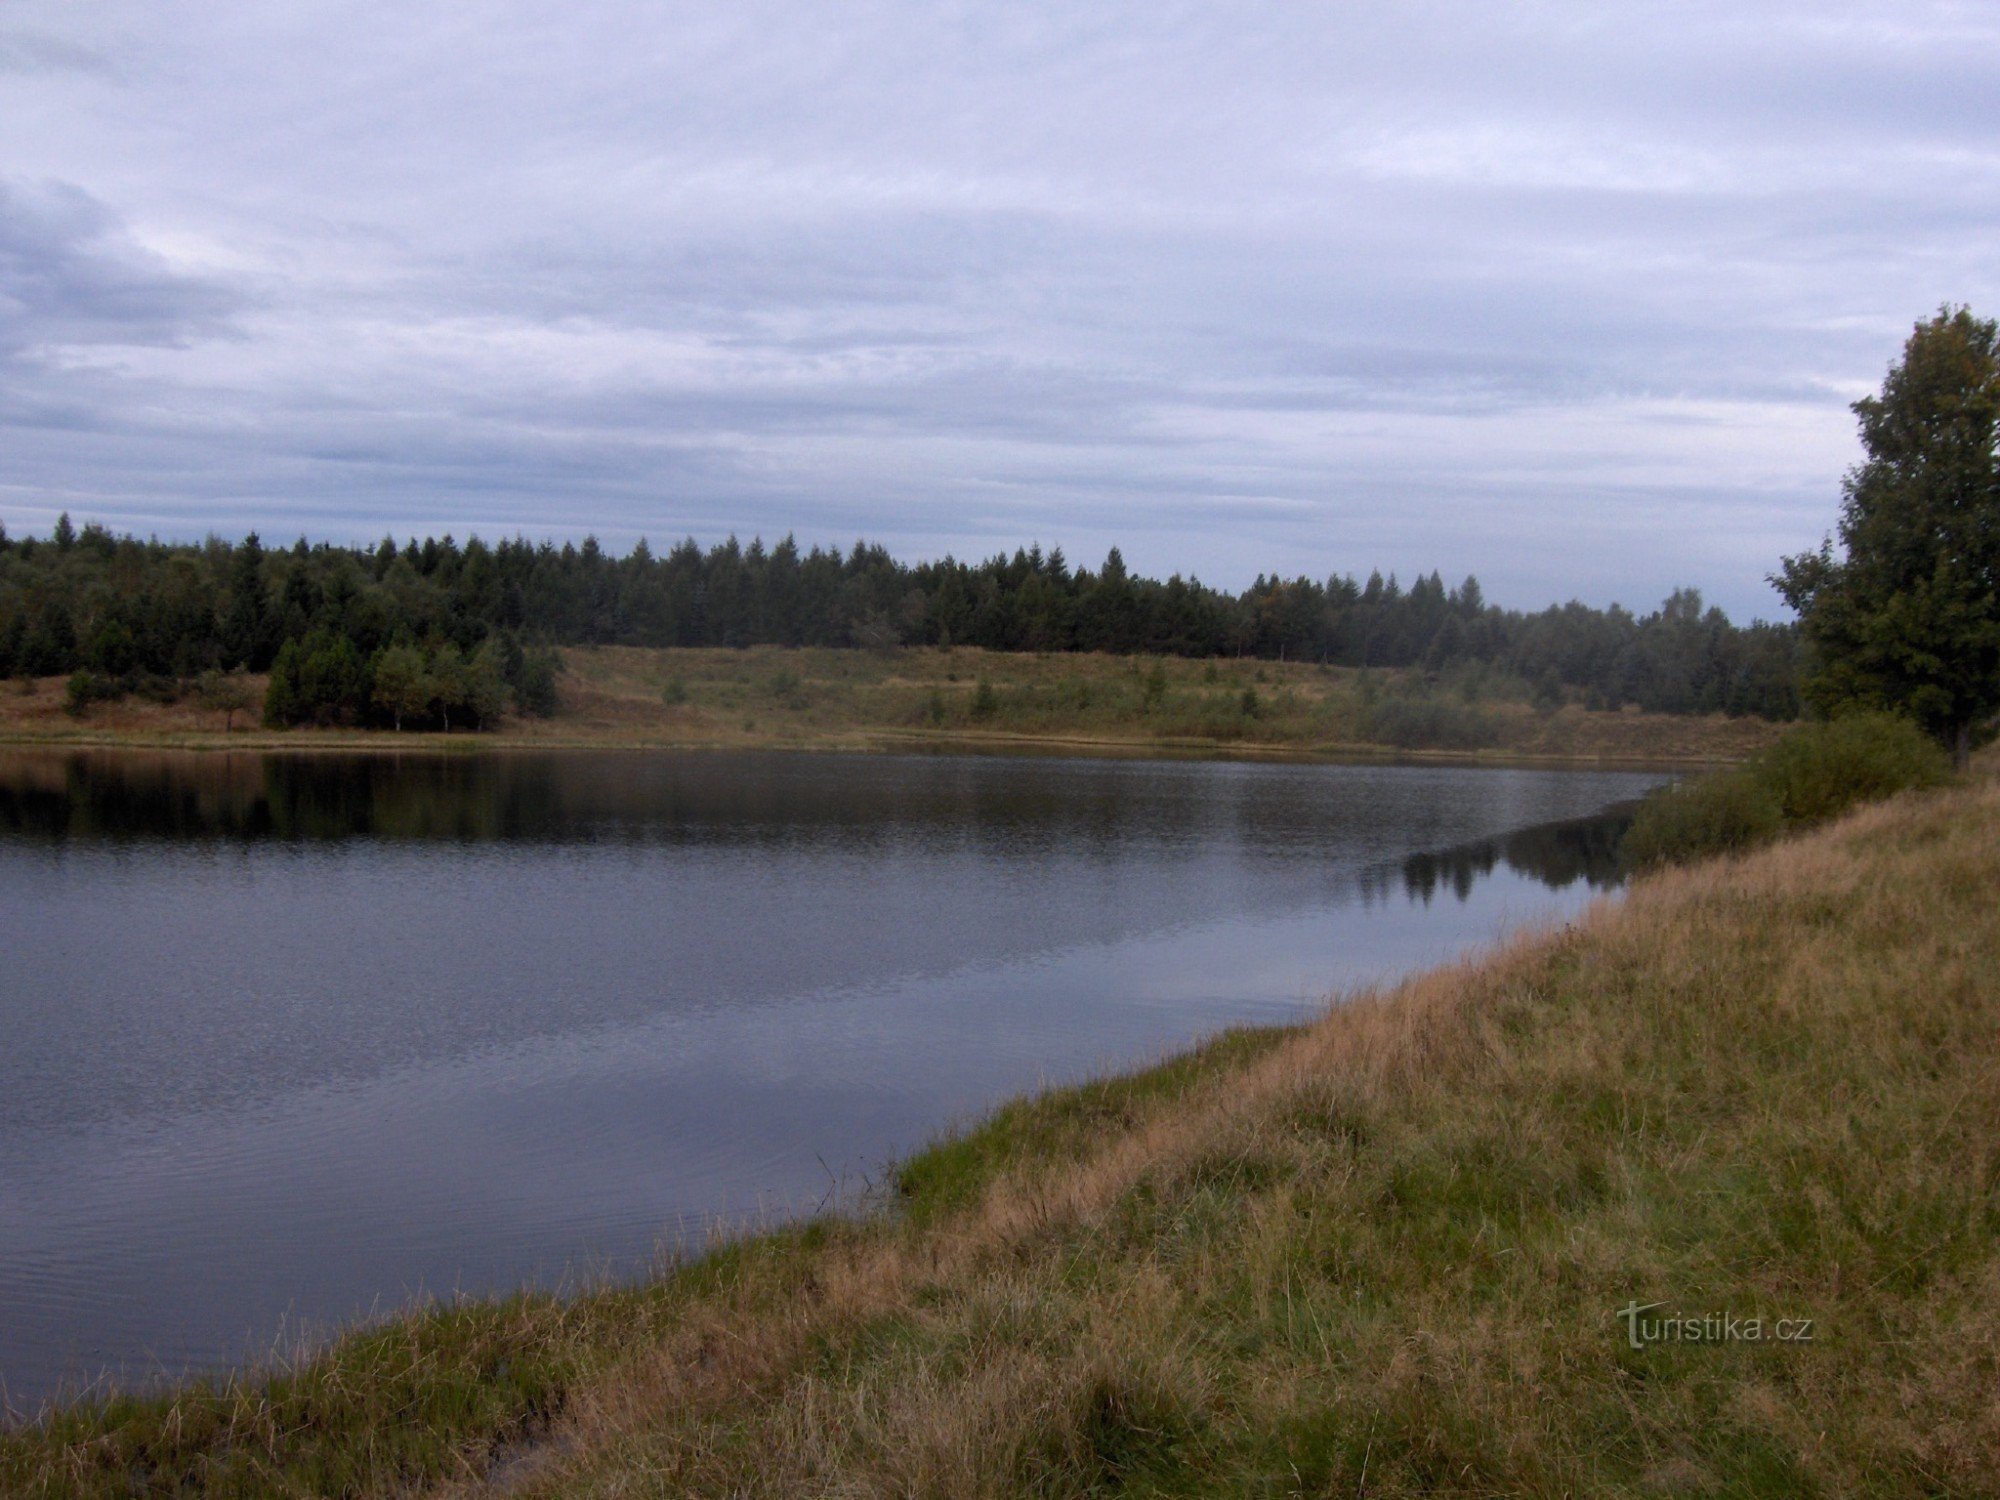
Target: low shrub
[[87, 687], [785, 686], [1819, 771], [1816, 772], [1714, 814], [1430, 724], [156, 687]]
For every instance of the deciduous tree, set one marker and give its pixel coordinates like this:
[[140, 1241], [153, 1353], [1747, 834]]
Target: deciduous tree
[[402, 686], [1908, 617]]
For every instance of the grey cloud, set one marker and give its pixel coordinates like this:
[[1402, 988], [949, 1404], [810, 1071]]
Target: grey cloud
[[1242, 287], [70, 275], [25, 52]]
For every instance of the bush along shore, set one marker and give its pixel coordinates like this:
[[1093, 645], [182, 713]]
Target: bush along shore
[[1810, 774], [1698, 1195]]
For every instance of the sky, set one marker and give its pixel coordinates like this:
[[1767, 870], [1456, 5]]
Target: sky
[[1570, 296]]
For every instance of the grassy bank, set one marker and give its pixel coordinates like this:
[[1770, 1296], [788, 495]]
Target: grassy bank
[[1383, 1254], [772, 696]]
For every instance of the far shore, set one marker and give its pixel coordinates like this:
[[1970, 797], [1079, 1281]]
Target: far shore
[[960, 701]]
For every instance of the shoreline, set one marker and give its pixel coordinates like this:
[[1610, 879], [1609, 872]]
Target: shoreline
[[1211, 1272], [928, 701], [882, 741]]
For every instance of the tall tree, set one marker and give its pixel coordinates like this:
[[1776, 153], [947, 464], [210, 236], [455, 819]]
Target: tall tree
[[484, 683], [1909, 618], [447, 678], [402, 684], [224, 693]]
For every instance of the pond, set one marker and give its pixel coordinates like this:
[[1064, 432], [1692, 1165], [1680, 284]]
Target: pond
[[286, 1039]]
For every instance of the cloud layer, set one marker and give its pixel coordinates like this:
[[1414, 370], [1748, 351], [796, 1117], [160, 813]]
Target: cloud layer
[[1573, 298]]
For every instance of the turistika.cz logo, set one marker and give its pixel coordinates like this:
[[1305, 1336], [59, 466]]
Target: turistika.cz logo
[[1709, 1328]]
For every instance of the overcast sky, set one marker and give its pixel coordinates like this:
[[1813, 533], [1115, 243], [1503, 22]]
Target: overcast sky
[[1571, 296]]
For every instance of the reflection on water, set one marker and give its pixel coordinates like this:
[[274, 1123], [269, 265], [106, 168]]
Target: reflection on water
[[1557, 854], [585, 797], [291, 1036]]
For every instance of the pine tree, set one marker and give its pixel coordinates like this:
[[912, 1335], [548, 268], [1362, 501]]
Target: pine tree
[[281, 694]]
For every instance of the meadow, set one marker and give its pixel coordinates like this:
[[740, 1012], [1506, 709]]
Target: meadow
[[911, 697]]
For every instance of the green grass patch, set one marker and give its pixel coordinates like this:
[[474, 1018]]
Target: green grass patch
[[1062, 1125]]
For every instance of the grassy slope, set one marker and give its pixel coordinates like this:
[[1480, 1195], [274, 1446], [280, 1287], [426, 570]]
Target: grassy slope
[[1378, 1255], [856, 699]]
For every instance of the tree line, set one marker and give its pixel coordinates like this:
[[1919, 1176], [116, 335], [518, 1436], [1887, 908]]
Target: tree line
[[438, 633]]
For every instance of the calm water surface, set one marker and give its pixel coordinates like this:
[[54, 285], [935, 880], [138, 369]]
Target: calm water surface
[[287, 1038]]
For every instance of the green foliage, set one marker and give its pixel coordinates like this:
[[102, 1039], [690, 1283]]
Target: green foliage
[[317, 680], [1430, 724], [376, 1414], [450, 683], [1909, 619], [985, 702], [1819, 771], [535, 686], [787, 689], [225, 694], [1548, 695], [1063, 1125], [484, 693], [402, 684], [1815, 772], [674, 693], [281, 693], [87, 687], [1249, 704], [48, 641], [1720, 813], [120, 605], [112, 651]]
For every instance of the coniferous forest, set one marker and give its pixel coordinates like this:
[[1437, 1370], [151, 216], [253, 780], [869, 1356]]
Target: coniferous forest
[[439, 632]]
